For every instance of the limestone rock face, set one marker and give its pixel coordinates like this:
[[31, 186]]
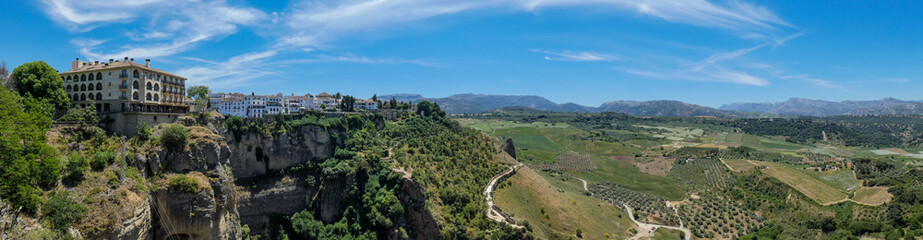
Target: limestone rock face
[[255, 154], [273, 196], [419, 219], [210, 213], [509, 147]]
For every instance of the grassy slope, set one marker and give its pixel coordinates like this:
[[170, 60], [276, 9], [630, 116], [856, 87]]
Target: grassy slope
[[530, 191], [543, 143], [872, 195]]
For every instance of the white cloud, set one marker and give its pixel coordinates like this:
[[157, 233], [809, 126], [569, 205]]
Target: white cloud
[[810, 80], [734, 15], [714, 69], [893, 80], [174, 26], [567, 55], [234, 72], [320, 21]]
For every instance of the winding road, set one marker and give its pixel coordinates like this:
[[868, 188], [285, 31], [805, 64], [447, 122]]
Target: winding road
[[644, 228], [492, 212]]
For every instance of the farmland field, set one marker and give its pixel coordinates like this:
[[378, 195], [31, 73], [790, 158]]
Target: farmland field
[[872, 195], [738, 165], [804, 183]]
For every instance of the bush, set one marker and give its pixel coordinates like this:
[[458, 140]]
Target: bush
[[144, 132], [76, 166], [62, 211], [174, 138], [101, 160], [47, 171], [184, 184]]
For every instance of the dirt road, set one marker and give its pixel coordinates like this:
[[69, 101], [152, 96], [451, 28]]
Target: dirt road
[[492, 212], [644, 229]]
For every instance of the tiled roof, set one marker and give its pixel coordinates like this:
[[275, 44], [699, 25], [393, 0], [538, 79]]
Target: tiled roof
[[117, 65]]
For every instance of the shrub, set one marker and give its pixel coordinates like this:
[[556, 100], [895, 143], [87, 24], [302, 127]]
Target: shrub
[[144, 132], [76, 166], [47, 171], [102, 159], [62, 211], [184, 184], [174, 138]]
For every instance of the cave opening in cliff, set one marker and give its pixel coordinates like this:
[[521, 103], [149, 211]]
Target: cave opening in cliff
[[259, 154]]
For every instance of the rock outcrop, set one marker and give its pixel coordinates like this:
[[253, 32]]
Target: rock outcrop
[[256, 154], [420, 220], [210, 213]]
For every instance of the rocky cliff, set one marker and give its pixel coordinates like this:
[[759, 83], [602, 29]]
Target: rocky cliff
[[256, 154]]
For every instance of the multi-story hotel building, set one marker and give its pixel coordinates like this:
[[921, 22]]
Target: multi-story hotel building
[[127, 91]]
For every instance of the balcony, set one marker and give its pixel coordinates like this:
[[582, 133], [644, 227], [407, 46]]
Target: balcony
[[123, 76], [123, 86]]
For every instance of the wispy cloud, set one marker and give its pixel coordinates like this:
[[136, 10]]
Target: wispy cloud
[[893, 80], [175, 26], [735, 15], [321, 21], [810, 80], [567, 55], [714, 68], [234, 72]]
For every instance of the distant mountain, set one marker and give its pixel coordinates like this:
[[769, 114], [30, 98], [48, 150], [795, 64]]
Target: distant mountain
[[403, 97], [476, 103], [668, 108], [809, 107]]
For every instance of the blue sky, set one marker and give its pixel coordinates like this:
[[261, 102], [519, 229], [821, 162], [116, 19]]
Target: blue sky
[[583, 51]]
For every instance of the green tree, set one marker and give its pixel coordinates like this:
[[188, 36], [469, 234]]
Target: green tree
[[41, 81], [144, 132], [174, 138], [26, 158], [200, 94], [62, 211], [348, 104]]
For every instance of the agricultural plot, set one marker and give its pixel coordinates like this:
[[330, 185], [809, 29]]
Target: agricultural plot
[[676, 133], [874, 196], [738, 165], [701, 173], [804, 183], [650, 208], [712, 216], [569, 161], [844, 180]]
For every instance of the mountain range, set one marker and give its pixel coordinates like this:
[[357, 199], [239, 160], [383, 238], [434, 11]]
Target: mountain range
[[475, 103], [820, 108]]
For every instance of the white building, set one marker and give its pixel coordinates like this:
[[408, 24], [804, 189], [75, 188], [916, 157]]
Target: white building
[[367, 105]]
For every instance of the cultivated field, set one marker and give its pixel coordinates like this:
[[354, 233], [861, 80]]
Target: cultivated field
[[804, 183], [738, 165], [872, 196], [569, 161]]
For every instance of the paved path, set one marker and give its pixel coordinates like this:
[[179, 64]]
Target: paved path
[[489, 192], [644, 229], [584, 184]]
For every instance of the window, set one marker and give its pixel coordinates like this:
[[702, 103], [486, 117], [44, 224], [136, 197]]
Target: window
[[99, 76], [147, 97], [83, 77], [156, 87], [134, 96], [136, 74], [99, 96], [83, 97], [91, 77], [156, 97], [83, 87], [68, 77], [68, 88], [99, 86], [148, 86], [90, 86], [76, 87], [134, 85]]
